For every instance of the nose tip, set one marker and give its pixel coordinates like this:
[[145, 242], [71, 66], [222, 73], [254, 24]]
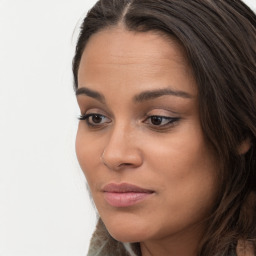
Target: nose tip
[[121, 153], [117, 162]]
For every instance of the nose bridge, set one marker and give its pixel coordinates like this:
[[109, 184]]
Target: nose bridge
[[121, 148]]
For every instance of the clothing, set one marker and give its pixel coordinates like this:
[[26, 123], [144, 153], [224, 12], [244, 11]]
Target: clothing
[[245, 248]]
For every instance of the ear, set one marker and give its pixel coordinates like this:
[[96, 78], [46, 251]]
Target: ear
[[244, 146]]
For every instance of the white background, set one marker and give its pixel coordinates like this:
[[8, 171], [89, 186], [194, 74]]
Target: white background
[[44, 205]]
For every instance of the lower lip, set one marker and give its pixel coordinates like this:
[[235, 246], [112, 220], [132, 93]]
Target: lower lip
[[125, 199]]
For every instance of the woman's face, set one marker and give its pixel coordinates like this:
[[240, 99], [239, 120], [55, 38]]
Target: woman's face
[[151, 172]]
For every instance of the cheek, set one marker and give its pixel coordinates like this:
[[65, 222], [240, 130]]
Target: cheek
[[81, 149], [183, 153], [186, 168], [88, 156]]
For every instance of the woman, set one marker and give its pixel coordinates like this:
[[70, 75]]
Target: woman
[[167, 137]]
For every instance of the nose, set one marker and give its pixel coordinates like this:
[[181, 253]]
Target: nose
[[122, 150]]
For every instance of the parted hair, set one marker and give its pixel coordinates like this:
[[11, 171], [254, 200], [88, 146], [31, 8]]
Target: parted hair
[[219, 40]]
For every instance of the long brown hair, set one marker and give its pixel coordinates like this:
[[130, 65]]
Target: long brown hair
[[219, 38]]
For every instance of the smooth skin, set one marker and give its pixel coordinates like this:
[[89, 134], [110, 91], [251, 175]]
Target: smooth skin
[[139, 104]]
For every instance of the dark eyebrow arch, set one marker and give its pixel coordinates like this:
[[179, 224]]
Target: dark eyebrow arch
[[149, 95], [90, 93]]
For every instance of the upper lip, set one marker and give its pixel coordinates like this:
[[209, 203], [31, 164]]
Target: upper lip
[[124, 188]]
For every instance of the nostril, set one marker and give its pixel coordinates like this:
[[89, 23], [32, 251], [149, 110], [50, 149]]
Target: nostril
[[125, 164]]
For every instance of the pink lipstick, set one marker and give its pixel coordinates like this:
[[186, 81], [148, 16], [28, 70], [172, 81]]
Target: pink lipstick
[[124, 195]]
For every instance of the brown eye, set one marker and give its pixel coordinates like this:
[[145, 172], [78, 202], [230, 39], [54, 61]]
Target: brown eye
[[161, 121], [156, 120], [96, 119]]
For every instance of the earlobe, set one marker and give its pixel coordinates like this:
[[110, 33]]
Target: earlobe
[[244, 146]]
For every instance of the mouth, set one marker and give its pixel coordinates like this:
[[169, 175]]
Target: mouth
[[124, 194]]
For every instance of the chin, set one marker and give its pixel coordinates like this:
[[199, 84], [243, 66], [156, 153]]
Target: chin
[[126, 236], [127, 231]]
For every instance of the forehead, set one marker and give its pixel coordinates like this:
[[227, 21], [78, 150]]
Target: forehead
[[126, 45], [136, 57]]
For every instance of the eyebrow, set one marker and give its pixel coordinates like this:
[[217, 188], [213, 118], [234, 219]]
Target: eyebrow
[[149, 95], [90, 93], [143, 96]]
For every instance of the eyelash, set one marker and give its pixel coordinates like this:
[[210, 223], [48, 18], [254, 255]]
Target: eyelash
[[87, 117], [170, 121]]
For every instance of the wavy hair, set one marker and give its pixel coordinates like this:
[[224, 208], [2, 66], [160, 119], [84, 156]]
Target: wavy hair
[[219, 39]]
